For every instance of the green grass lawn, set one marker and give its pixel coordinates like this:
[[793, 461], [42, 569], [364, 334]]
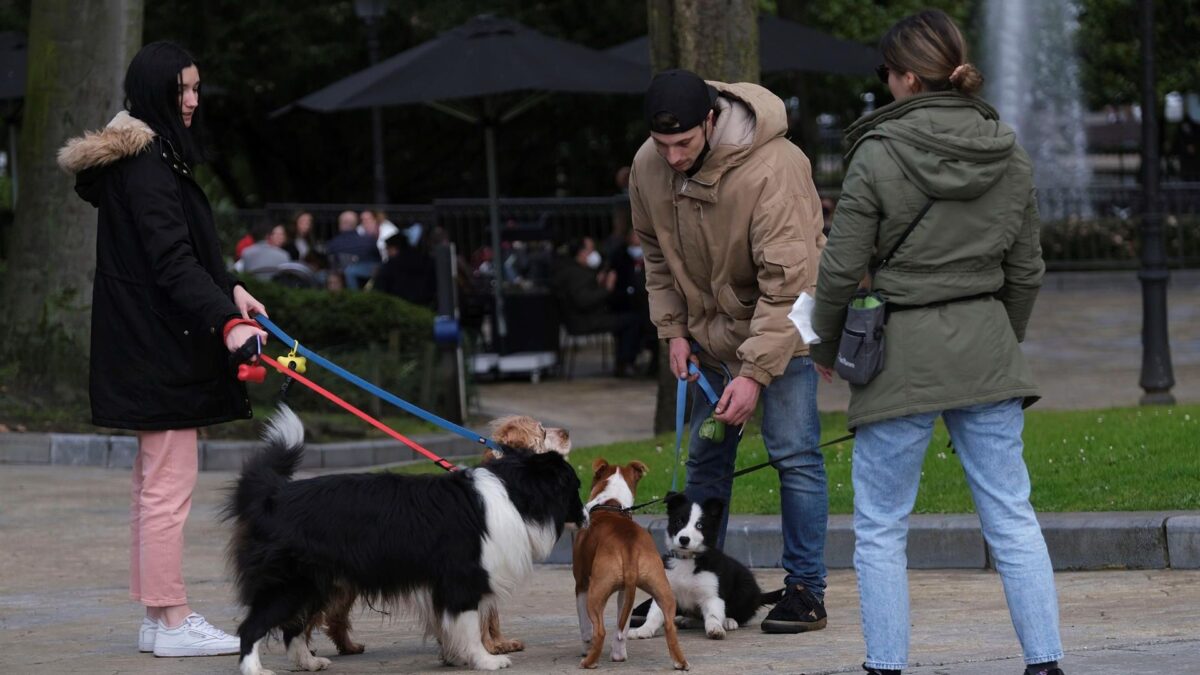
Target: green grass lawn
[[1125, 459]]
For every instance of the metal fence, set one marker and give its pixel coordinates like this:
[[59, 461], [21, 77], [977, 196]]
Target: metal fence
[[1097, 227], [1094, 228], [467, 221]]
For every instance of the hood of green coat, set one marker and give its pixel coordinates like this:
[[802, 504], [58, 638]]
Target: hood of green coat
[[949, 145]]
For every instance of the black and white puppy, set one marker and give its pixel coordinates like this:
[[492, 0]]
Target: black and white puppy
[[707, 583], [444, 547]]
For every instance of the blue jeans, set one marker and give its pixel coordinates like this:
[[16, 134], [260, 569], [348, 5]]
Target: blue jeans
[[358, 274], [887, 470], [791, 430]]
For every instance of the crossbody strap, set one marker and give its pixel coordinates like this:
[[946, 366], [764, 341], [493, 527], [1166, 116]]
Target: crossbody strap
[[911, 226]]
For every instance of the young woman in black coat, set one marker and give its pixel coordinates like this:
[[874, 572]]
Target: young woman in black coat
[[165, 315]]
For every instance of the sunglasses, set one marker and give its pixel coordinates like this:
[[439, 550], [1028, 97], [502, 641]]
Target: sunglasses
[[882, 71]]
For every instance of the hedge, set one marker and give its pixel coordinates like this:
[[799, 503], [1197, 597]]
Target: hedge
[[377, 336]]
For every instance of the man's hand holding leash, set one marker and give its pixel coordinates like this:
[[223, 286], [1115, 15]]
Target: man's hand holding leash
[[738, 401], [680, 349]]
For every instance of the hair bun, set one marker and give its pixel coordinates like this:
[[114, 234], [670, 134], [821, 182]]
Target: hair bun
[[966, 78]]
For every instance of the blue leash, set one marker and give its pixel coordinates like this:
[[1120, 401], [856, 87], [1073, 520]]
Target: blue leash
[[680, 404], [367, 386]]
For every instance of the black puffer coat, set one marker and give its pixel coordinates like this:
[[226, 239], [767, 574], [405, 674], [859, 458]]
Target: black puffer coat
[[162, 294]]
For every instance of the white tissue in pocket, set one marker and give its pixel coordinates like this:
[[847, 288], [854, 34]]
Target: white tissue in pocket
[[801, 315]]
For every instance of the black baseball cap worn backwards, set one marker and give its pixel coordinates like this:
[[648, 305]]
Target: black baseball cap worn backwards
[[683, 95]]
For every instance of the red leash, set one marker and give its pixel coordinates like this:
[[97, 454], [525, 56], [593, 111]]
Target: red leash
[[360, 414]]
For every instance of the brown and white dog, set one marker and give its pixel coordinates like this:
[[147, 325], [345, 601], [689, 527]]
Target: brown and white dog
[[614, 553], [515, 433]]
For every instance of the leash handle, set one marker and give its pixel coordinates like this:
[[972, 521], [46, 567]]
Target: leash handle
[[371, 388]]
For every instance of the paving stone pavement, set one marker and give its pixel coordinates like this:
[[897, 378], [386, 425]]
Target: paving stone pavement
[[64, 606], [64, 545]]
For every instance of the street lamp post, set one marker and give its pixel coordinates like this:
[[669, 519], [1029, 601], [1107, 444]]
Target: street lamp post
[[371, 11], [1157, 377]]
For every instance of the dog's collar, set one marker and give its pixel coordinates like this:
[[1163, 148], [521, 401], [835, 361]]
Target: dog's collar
[[613, 508], [680, 556], [502, 449]]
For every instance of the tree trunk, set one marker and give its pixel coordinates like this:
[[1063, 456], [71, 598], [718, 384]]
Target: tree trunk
[[718, 40], [78, 51]]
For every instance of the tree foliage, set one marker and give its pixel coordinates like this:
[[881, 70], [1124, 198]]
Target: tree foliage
[[1110, 39], [859, 21], [260, 57]]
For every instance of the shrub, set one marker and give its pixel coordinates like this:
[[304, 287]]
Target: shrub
[[346, 320], [376, 336]]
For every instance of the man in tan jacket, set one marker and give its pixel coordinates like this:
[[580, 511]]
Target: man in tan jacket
[[730, 224]]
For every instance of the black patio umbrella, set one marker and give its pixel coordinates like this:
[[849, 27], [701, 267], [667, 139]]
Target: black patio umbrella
[[482, 59], [784, 46]]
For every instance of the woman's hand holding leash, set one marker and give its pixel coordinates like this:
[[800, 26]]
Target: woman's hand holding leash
[[240, 334], [237, 333], [247, 305]]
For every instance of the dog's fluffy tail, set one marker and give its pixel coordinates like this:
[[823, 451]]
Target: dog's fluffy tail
[[770, 598], [264, 473]]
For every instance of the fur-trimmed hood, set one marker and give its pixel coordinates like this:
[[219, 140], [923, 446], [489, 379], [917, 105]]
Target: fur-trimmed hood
[[86, 156], [125, 136]]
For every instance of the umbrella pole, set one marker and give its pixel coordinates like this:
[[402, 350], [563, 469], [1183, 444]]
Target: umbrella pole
[[489, 140]]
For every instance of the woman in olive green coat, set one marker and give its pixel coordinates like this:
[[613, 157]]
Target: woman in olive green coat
[[962, 287]]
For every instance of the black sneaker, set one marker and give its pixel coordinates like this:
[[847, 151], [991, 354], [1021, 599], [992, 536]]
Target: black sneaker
[[798, 611], [1044, 670], [876, 671]]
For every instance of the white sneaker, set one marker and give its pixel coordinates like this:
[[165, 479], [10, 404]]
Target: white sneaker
[[146, 635], [194, 637]]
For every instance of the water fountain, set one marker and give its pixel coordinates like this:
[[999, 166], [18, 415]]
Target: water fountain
[[1032, 77]]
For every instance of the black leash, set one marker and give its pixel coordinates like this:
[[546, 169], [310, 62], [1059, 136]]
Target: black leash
[[749, 469]]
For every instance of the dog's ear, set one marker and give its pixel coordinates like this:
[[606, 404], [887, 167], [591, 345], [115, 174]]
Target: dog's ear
[[675, 500], [639, 469], [713, 508], [599, 464]]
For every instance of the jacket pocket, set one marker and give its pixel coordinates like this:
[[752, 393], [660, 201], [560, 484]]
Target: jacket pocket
[[186, 356], [784, 260], [729, 303]]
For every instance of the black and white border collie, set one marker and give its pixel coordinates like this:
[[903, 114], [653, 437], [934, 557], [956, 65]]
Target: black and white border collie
[[443, 547], [707, 584]]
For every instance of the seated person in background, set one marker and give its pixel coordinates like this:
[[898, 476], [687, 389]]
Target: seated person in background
[[264, 257], [299, 243], [242, 244], [376, 227], [408, 273], [352, 254], [583, 294], [629, 294]]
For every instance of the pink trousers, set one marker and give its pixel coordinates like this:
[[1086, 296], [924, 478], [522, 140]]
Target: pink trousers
[[164, 475]]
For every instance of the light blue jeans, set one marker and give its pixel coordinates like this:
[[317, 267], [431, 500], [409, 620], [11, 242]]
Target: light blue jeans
[[887, 470], [791, 430]]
